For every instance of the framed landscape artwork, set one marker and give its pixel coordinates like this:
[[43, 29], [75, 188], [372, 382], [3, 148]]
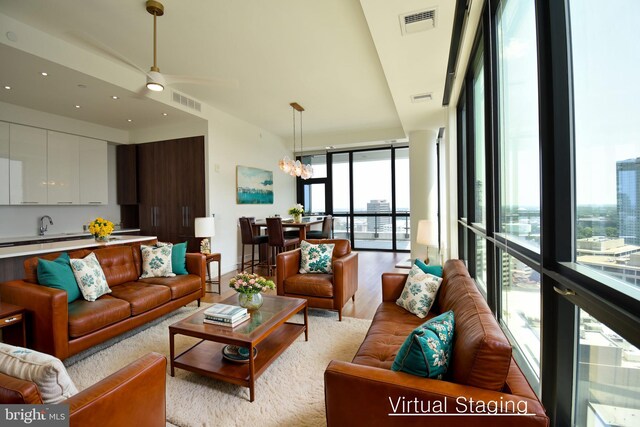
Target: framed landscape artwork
[[254, 186]]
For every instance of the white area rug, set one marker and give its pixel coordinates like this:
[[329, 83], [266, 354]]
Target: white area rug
[[289, 393]]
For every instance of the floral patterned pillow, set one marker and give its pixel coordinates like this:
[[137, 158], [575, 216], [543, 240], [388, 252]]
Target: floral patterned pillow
[[419, 292], [156, 260], [316, 258], [90, 277], [427, 350]]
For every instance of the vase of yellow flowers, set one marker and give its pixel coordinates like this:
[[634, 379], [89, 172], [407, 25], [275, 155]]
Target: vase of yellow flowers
[[101, 229], [296, 212]]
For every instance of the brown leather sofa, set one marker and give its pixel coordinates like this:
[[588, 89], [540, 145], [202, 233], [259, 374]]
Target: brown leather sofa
[[481, 372], [328, 291], [134, 396], [62, 330]]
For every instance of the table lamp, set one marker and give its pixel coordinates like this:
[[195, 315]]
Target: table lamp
[[426, 235], [205, 227]]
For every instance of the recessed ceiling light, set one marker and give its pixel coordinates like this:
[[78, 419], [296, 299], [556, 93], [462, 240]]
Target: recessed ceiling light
[[129, 120], [165, 114], [7, 87], [77, 106], [114, 97], [44, 74]]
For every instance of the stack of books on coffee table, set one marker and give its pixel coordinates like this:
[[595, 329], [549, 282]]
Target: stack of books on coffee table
[[226, 315]]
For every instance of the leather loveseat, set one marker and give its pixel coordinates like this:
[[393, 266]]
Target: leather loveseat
[[482, 378], [63, 329], [134, 396]]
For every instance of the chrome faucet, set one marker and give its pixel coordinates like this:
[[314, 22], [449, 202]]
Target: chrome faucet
[[43, 226]]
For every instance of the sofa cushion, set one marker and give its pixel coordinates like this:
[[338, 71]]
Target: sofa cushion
[[90, 277], [427, 350], [389, 329], [342, 246], [86, 317], [118, 264], [436, 270], [315, 258], [179, 258], [46, 371], [419, 292], [142, 296], [58, 274], [316, 285], [482, 353], [179, 285], [156, 261]]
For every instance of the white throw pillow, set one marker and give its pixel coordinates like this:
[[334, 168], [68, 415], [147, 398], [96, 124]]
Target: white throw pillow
[[90, 277], [316, 258], [156, 260], [46, 371], [419, 292]]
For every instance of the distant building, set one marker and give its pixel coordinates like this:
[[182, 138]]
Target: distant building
[[612, 256], [379, 223], [628, 199]]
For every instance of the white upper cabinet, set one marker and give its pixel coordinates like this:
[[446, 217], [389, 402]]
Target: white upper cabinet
[[94, 180], [27, 165], [63, 169], [4, 163]]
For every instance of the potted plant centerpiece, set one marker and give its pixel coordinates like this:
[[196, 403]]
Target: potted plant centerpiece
[[297, 212], [250, 286], [101, 229]]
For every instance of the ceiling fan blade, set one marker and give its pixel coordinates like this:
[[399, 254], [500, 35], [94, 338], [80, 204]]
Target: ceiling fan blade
[[94, 45], [212, 81]]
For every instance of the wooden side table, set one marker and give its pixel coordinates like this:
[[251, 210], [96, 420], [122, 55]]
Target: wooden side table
[[209, 258], [11, 315]]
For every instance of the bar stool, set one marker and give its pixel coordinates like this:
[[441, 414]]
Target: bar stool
[[277, 240], [325, 233], [246, 233]]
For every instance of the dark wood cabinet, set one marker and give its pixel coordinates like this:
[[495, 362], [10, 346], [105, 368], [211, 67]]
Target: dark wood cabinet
[[127, 182], [171, 189]]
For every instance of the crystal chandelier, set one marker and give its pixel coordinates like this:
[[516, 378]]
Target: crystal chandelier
[[296, 168]]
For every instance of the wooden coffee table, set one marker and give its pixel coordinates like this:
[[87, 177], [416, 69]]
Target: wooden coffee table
[[268, 331]]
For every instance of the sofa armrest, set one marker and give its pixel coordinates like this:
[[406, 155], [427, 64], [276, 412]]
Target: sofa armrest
[[196, 264], [392, 285], [358, 395], [19, 392], [345, 277], [287, 265], [47, 315], [133, 396]]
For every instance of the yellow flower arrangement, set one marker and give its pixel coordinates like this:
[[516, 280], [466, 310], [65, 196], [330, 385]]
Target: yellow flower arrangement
[[100, 228]]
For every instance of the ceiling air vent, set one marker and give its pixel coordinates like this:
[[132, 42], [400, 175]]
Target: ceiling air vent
[[421, 97], [415, 22], [187, 102]]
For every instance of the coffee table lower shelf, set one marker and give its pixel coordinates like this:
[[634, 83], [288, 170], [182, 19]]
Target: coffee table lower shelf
[[206, 358]]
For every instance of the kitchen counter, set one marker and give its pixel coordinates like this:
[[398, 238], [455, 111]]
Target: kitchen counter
[[14, 241], [68, 245]]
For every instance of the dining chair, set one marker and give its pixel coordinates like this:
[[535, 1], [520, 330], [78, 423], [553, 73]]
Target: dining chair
[[277, 240], [249, 238], [325, 233]]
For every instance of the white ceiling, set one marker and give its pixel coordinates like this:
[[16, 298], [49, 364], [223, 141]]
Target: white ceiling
[[345, 61]]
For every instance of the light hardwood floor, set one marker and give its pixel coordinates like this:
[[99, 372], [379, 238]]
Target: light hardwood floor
[[371, 265]]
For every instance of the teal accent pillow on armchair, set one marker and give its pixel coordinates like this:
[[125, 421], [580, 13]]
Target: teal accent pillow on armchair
[[58, 274], [436, 270], [427, 350]]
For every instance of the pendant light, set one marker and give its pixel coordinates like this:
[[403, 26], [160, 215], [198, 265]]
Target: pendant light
[[296, 168]]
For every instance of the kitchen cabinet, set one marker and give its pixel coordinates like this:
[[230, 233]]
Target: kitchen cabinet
[[4, 163], [94, 173], [27, 165], [127, 181], [63, 169]]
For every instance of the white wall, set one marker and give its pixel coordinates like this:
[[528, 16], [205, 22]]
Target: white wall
[[24, 220]]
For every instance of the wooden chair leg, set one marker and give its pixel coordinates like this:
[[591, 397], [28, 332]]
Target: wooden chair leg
[[242, 260], [340, 315], [253, 255]]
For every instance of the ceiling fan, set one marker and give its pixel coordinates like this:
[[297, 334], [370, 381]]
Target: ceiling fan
[[156, 81]]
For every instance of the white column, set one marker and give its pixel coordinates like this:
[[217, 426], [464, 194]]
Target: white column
[[424, 185]]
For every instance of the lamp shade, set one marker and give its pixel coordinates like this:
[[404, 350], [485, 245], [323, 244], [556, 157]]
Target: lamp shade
[[426, 233], [205, 227]]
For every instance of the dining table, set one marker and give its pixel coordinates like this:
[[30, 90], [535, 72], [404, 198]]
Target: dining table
[[302, 226]]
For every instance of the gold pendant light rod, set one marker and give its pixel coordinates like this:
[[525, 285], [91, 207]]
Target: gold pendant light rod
[[156, 9]]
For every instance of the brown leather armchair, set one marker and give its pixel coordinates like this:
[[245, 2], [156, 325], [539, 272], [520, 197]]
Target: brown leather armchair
[[134, 396], [328, 291]]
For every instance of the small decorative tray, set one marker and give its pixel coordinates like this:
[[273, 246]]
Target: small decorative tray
[[233, 353]]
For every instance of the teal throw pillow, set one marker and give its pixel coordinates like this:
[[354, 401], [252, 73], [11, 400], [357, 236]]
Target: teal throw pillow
[[436, 270], [58, 274], [179, 258], [427, 350], [316, 258]]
